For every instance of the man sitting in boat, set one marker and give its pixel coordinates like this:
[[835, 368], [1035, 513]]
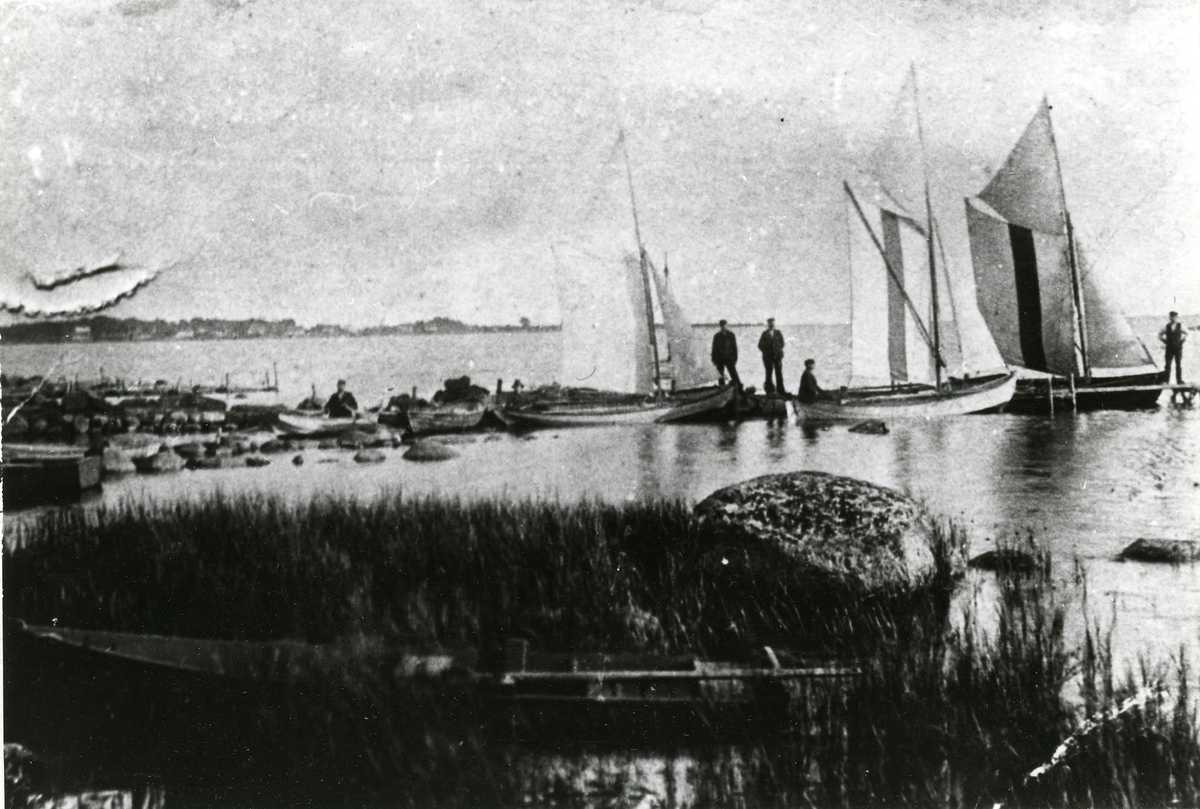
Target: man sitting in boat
[[341, 405], [810, 391]]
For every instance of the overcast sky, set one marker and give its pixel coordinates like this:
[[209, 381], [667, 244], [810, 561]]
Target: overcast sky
[[381, 162]]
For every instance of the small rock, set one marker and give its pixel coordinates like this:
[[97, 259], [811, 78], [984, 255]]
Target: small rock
[[258, 460], [870, 428], [1173, 551], [1008, 560], [298, 460], [272, 446], [116, 461], [165, 460], [369, 456], [354, 439], [429, 451]]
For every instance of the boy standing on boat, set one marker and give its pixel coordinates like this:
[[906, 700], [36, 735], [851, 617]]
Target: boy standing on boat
[[1172, 336], [341, 405], [771, 346], [724, 355]]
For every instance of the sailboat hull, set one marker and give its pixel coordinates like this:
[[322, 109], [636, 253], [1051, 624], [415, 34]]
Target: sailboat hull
[[977, 396], [587, 414], [1041, 396]]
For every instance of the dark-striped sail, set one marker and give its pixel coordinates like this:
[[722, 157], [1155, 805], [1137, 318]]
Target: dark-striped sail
[[1045, 310]]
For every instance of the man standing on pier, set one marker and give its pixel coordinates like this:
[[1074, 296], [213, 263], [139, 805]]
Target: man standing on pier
[[342, 404], [1172, 336], [724, 355], [771, 346]]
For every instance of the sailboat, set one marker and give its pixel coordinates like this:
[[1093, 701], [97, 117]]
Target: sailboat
[[640, 400], [1046, 311], [899, 366]]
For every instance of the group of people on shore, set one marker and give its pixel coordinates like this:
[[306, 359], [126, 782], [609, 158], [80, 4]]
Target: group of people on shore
[[770, 345]]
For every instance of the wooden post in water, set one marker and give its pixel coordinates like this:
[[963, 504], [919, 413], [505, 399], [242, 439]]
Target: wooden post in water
[[499, 387], [276, 366], [414, 393]]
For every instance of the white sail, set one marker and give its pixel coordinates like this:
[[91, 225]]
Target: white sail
[[685, 349], [1024, 276], [887, 343], [891, 282], [605, 340]]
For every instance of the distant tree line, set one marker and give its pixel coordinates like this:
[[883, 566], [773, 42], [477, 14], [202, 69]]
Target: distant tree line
[[110, 329]]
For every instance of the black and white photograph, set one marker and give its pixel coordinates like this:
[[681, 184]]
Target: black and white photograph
[[590, 404]]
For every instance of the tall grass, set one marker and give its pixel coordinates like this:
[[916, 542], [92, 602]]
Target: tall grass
[[428, 572], [955, 715]]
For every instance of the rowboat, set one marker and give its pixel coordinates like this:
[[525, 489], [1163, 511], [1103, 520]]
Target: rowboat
[[663, 410], [1048, 311], [901, 296], [300, 424], [447, 417], [522, 691]]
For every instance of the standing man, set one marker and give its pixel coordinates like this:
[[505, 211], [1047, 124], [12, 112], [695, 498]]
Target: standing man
[[724, 355], [1172, 336], [771, 346], [341, 405]]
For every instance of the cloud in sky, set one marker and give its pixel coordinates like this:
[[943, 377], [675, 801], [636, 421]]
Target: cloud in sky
[[369, 162]]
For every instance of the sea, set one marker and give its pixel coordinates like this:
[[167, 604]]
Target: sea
[[1084, 485]]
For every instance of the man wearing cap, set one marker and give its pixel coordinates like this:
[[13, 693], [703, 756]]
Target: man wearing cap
[[771, 346], [724, 354], [342, 404], [1172, 336]]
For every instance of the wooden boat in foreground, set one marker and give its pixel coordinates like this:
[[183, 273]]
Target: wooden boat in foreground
[[521, 691], [1047, 310]]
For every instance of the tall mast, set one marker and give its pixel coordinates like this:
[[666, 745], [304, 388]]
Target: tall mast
[[1072, 257], [933, 286], [637, 233]]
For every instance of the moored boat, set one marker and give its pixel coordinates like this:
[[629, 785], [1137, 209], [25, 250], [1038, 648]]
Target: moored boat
[[447, 417], [663, 410], [1047, 310], [317, 426], [901, 296], [48, 476]]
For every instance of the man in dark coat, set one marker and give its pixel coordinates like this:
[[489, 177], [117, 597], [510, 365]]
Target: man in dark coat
[[1172, 336], [341, 405], [724, 355], [771, 346]]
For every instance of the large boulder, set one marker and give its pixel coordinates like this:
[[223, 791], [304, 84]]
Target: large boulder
[[1172, 551], [839, 533], [165, 460]]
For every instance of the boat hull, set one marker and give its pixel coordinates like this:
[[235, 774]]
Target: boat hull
[[295, 424], [54, 479], [589, 414], [446, 418], [1035, 396], [979, 396]]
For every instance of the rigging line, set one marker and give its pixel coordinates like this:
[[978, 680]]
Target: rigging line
[[895, 276]]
